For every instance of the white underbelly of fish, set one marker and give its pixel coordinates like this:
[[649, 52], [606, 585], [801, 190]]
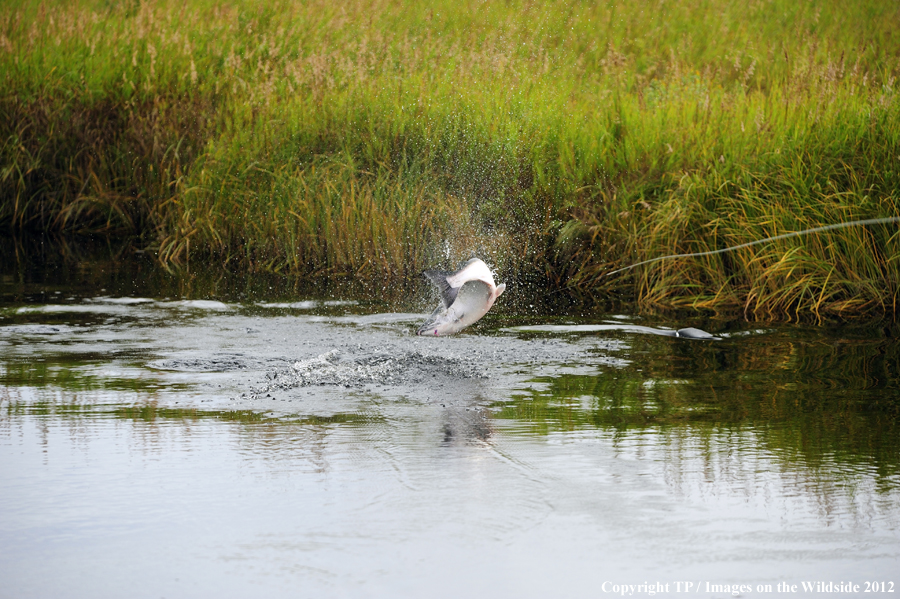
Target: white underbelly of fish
[[472, 302]]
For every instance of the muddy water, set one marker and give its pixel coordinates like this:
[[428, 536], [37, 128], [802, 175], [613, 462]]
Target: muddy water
[[165, 445]]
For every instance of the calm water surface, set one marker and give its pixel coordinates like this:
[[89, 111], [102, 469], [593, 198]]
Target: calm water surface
[[157, 443]]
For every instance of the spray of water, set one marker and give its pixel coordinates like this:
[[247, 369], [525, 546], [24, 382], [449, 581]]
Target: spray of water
[[856, 223]]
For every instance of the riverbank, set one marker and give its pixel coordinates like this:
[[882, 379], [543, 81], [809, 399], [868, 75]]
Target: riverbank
[[560, 142]]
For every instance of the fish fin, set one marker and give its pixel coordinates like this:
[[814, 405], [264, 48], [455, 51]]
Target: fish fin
[[431, 320], [439, 279], [440, 308], [500, 289]]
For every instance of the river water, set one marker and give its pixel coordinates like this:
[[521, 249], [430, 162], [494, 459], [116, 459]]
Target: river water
[[170, 439]]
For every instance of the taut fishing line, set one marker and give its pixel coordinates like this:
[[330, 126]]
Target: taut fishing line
[[855, 223]]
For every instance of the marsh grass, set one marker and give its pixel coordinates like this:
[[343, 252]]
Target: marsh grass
[[560, 140]]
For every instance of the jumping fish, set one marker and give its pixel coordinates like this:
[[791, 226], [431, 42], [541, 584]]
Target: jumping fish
[[466, 296]]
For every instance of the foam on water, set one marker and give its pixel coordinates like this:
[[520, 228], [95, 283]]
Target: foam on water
[[337, 369]]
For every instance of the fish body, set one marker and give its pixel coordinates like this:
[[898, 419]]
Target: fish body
[[466, 296]]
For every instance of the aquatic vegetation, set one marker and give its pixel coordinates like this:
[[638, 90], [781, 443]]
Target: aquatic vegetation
[[561, 141]]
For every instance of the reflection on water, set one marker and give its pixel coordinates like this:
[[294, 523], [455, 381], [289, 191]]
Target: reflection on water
[[157, 444], [802, 419]]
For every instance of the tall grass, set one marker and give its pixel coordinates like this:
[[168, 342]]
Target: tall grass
[[560, 139]]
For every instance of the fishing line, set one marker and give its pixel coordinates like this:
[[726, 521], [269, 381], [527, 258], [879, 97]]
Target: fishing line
[[855, 223]]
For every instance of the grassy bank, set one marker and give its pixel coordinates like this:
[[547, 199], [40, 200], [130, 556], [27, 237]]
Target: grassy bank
[[561, 140]]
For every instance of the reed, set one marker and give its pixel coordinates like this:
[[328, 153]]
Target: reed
[[562, 141]]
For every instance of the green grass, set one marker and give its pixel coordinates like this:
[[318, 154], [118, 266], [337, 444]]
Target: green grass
[[560, 140]]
